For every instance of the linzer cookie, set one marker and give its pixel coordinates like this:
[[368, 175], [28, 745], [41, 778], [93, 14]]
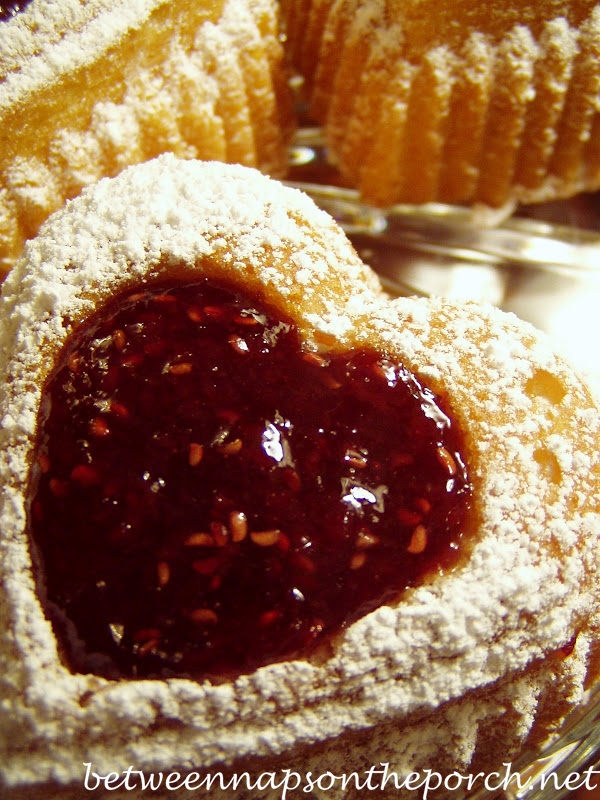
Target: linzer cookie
[[256, 516], [465, 103], [89, 88]]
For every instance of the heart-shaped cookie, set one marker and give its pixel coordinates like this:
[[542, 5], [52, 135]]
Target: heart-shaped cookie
[[163, 280]]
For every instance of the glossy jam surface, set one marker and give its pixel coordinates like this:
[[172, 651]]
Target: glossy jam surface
[[209, 497], [8, 8]]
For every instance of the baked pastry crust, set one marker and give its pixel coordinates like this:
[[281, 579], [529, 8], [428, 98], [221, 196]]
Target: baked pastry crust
[[89, 88], [463, 669], [473, 103]]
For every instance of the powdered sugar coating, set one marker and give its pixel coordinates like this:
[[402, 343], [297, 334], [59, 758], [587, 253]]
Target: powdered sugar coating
[[88, 88], [492, 104], [418, 683]]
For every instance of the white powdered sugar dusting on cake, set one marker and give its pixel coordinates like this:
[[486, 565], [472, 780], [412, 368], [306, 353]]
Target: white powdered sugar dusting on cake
[[463, 103], [479, 646], [94, 87], [45, 39]]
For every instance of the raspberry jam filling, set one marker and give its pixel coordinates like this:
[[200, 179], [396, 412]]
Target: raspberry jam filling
[[209, 497]]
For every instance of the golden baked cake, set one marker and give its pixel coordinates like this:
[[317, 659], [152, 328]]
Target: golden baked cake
[[459, 102], [257, 517], [89, 88]]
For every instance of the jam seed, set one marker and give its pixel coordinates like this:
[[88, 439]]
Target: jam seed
[[73, 362], [44, 462], [133, 298], [402, 460], [230, 448], [238, 525], [408, 517], [423, 504], [239, 345], [205, 566], [246, 319], [154, 348], [358, 560], [315, 359], [119, 339], [119, 410], [446, 460], [163, 572], [204, 616], [305, 563], [196, 451], [355, 459], [365, 539], [145, 634], [183, 368], [268, 618], [220, 533], [214, 312], [148, 647], [195, 314], [99, 427], [265, 538], [418, 540], [85, 475], [58, 487], [133, 360], [199, 540], [329, 381], [381, 370]]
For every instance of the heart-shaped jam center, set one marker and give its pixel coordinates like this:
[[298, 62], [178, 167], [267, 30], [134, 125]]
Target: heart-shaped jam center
[[209, 496]]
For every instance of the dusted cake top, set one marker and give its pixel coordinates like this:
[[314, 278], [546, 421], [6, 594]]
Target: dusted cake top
[[423, 675], [92, 87], [464, 103], [47, 38]]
